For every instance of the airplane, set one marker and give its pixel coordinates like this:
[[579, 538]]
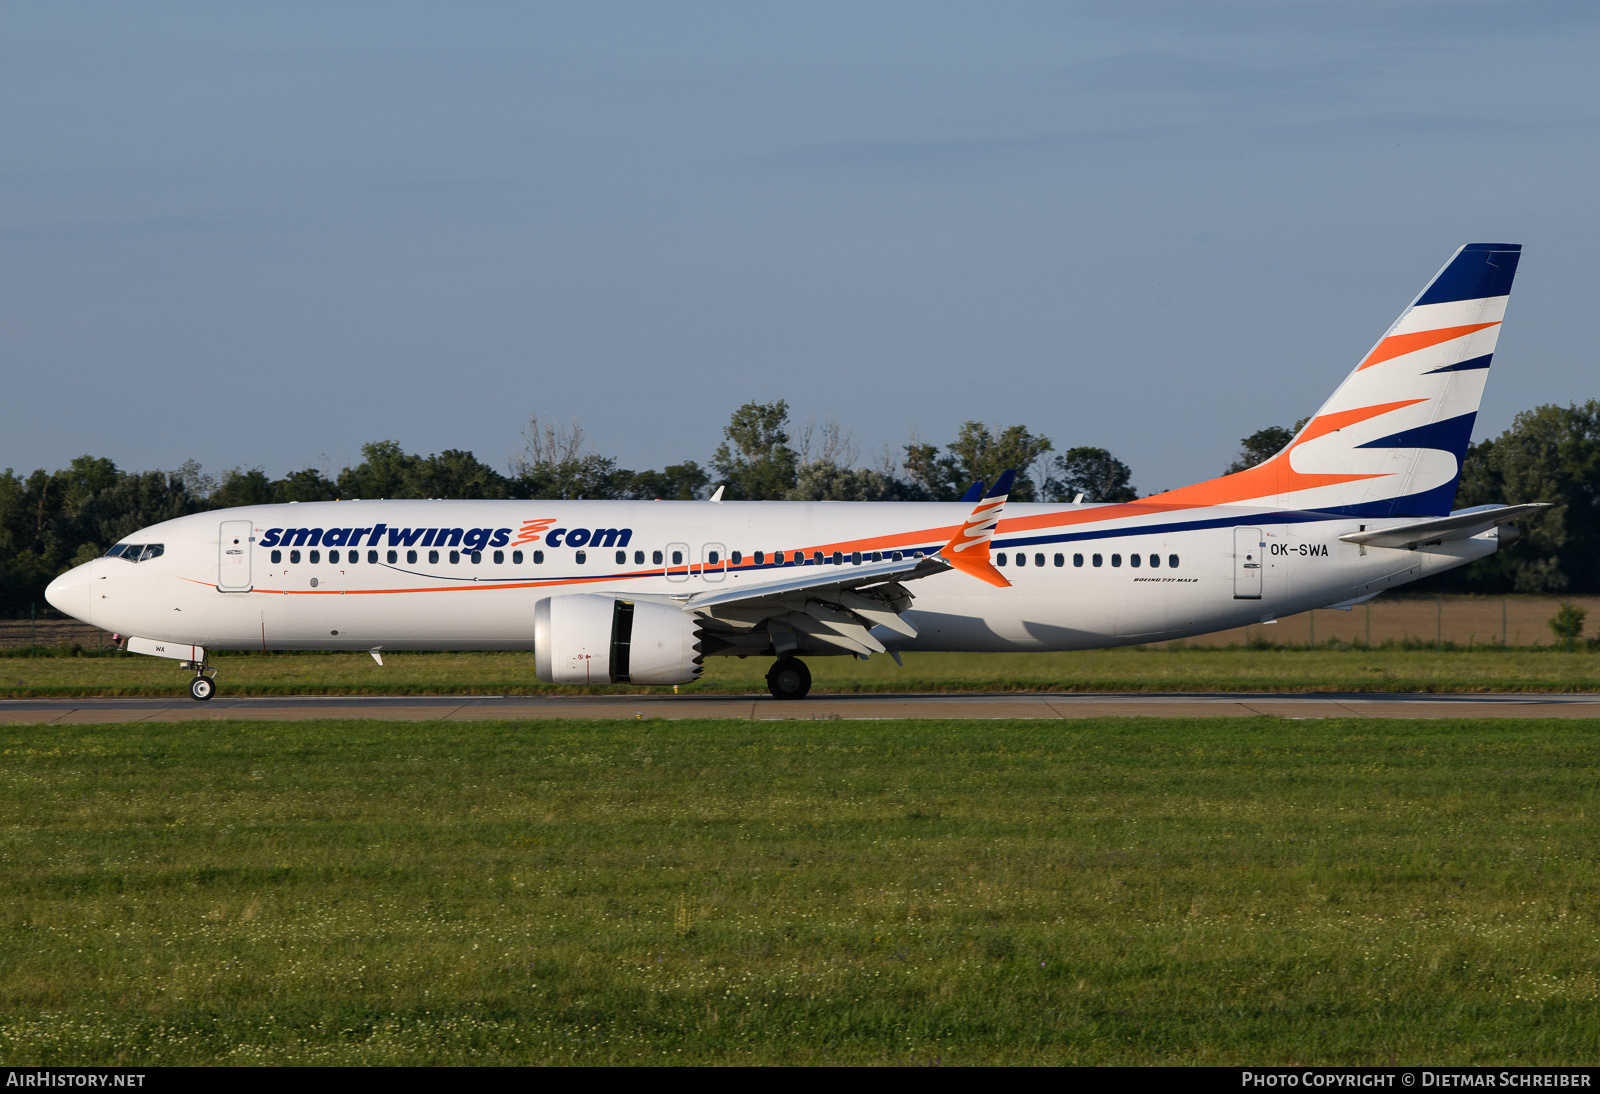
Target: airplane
[[641, 592]]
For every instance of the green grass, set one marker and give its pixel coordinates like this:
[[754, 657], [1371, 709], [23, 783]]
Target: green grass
[[1156, 669], [1120, 891]]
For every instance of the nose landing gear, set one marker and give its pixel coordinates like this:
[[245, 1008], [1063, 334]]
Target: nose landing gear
[[204, 684], [789, 679]]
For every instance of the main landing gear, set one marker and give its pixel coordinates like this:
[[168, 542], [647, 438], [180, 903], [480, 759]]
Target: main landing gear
[[204, 684], [789, 679]]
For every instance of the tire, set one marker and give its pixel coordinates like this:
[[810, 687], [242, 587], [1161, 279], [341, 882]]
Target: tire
[[202, 688], [789, 679]]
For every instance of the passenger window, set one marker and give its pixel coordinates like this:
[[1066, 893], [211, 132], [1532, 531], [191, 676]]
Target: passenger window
[[372, 557], [314, 557], [677, 558], [1077, 560], [655, 558], [838, 558], [1133, 560], [638, 558], [1172, 561], [333, 556], [738, 557], [816, 558], [477, 558], [1061, 560], [622, 558], [294, 558], [855, 558], [411, 558], [1099, 560], [1022, 558], [1116, 560], [711, 557], [877, 556], [1000, 559], [761, 557], [538, 558], [1155, 561], [1038, 560], [277, 557], [455, 557], [499, 558], [582, 558], [433, 558], [516, 558], [898, 557], [393, 557]]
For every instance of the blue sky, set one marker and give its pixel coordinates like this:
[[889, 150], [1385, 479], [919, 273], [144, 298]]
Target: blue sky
[[261, 235]]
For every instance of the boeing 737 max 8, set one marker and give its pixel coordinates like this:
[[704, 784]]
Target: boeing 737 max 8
[[642, 592]]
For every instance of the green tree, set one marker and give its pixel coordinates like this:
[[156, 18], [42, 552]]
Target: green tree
[[307, 485], [1092, 472], [1567, 623], [755, 462], [1264, 444], [243, 488], [386, 471], [1550, 454], [824, 480], [455, 473], [680, 482], [977, 454]]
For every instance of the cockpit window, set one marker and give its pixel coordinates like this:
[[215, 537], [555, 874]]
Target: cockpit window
[[135, 552]]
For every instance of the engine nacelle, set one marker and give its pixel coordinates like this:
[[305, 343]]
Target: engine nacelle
[[588, 639]]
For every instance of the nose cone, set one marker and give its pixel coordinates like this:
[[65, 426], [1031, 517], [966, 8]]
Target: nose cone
[[69, 593]]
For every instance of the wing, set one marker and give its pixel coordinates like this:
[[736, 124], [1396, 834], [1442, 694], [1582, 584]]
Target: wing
[[835, 608]]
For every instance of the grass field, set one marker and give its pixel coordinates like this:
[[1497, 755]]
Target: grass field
[[1158, 669], [1120, 891]]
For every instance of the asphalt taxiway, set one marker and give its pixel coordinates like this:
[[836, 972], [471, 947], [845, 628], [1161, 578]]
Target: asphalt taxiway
[[820, 707]]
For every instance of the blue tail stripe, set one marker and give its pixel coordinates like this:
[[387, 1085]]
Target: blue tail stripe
[[1451, 435], [974, 493], [1478, 270], [1002, 485], [1463, 366]]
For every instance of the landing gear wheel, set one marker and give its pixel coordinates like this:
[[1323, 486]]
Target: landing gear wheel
[[789, 679], [202, 688]]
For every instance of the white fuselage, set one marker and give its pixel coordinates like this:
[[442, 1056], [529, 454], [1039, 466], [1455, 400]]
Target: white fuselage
[[353, 582]]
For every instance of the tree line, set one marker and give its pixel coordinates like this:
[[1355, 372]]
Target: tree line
[[51, 521]]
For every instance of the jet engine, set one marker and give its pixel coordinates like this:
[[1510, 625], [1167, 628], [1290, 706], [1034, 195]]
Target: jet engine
[[588, 639]]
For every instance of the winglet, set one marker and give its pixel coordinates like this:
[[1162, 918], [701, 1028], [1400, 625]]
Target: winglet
[[968, 550], [974, 492]]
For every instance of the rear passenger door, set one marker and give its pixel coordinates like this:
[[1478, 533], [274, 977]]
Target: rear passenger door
[[1248, 546]]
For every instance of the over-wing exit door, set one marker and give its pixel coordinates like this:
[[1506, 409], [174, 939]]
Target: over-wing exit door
[[1248, 547]]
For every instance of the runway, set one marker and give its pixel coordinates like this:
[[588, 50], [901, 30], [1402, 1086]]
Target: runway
[[466, 708]]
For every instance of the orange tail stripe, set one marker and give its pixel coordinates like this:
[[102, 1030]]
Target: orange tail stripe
[[1401, 344]]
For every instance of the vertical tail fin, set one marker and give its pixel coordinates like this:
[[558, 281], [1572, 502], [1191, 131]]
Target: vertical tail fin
[[1390, 440]]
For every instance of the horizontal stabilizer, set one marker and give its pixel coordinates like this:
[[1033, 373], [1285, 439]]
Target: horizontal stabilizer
[[1462, 525]]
